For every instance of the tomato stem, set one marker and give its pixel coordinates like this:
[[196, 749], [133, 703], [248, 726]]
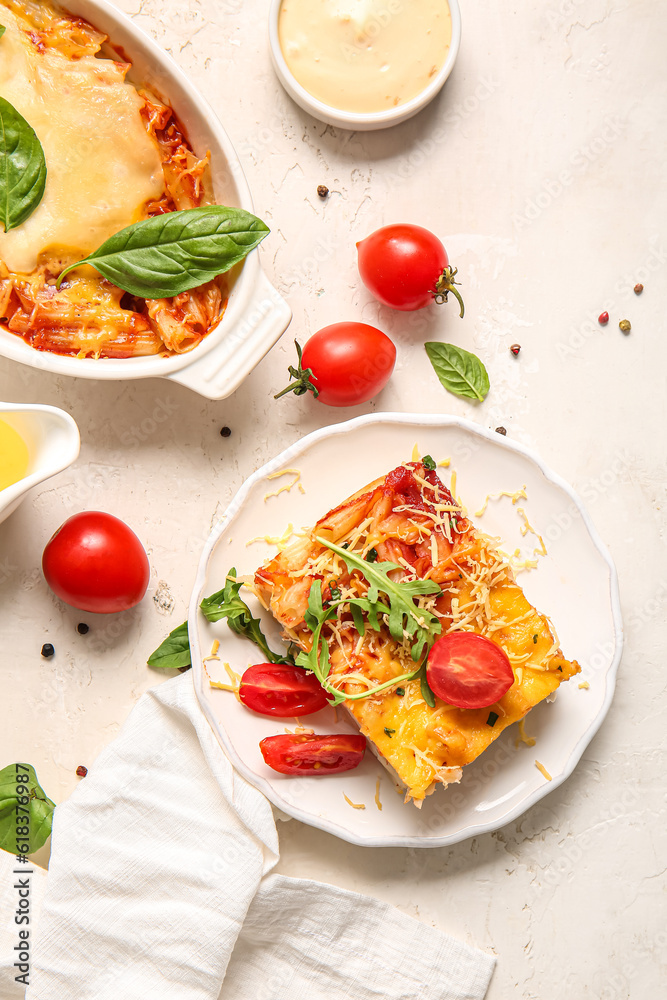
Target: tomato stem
[[303, 377], [446, 284]]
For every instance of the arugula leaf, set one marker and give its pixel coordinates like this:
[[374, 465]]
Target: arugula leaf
[[427, 693], [22, 168], [31, 811], [459, 371], [169, 254], [317, 658], [174, 652], [227, 604], [404, 615], [2, 30]]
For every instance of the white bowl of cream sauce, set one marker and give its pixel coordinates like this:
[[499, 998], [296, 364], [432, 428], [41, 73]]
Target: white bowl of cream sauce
[[364, 64]]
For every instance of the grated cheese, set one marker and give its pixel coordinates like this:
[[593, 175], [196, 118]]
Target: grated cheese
[[584, 686], [542, 769], [445, 463], [284, 489], [530, 741], [355, 805], [377, 795], [279, 540], [415, 453], [515, 497]]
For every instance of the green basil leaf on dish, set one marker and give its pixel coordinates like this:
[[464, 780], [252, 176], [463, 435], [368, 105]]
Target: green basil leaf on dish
[[459, 371], [163, 256], [25, 810], [22, 167]]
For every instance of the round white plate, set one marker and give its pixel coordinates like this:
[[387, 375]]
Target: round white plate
[[575, 584]]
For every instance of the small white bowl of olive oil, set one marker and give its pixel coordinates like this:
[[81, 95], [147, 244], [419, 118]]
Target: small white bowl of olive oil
[[36, 442]]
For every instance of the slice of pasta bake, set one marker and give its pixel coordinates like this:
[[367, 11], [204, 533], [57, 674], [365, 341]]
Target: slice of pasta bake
[[410, 519]]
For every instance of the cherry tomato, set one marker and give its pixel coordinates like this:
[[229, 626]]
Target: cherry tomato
[[343, 364], [406, 267], [96, 563], [278, 689], [313, 755], [468, 670]]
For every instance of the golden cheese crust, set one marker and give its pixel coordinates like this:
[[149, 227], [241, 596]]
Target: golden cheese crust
[[411, 519]]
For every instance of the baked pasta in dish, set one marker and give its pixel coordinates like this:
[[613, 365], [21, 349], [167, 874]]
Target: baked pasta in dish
[[115, 155], [411, 519]]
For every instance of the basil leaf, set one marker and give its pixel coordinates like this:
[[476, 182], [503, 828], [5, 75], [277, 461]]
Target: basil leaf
[[23, 810], [22, 168], [174, 652], [459, 371], [169, 254]]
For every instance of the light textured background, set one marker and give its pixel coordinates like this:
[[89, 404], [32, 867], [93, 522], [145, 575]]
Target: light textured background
[[541, 166]]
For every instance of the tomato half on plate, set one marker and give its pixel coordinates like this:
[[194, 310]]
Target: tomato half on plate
[[281, 690], [313, 755], [468, 670]]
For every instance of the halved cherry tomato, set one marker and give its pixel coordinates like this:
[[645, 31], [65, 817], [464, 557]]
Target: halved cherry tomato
[[468, 670], [281, 690], [314, 755], [343, 364], [406, 267]]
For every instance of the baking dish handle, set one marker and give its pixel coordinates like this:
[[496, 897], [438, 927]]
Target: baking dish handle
[[220, 372]]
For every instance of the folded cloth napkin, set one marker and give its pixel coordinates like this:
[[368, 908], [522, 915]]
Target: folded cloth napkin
[[159, 887]]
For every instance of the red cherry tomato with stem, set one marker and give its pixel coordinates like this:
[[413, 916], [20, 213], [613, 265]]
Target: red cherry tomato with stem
[[343, 364], [313, 755], [468, 670], [281, 690], [96, 563], [406, 267]]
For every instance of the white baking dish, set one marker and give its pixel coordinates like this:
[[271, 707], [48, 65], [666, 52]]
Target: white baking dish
[[256, 315]]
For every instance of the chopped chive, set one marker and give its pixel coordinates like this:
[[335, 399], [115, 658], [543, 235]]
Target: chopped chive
[[560, 668], [535, 638], [401, 691], [345, 545], [492, 719], [371, 555], [428, 463], [389, 732], [335, 593]]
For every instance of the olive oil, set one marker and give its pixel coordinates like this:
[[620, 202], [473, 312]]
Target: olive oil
[[14, 455]]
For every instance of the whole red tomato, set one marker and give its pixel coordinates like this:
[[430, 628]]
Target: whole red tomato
[[343, 364], [96, 563], [313, 755], [468, 670], [406, 267]]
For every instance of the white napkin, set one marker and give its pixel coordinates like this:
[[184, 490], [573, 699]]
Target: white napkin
[[159, 888]]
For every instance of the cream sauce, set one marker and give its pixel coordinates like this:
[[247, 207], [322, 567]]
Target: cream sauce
[[364, 55]]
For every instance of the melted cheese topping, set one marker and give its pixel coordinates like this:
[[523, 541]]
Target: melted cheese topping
[[102, 166]]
